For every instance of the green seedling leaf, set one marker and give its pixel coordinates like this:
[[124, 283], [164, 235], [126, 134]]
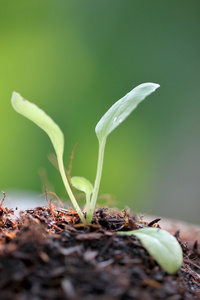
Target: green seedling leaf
[[82, 184], [40, 118], [123, 108], [161, 245]]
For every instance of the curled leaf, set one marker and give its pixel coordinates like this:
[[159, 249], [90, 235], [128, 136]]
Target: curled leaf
[[161, 245], [82, 184]]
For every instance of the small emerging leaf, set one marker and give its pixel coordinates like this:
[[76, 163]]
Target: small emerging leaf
[[161, 245], [82, 184], [40, 118], [123, 108]]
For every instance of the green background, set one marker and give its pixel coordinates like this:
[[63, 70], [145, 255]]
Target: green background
[[75, 59]]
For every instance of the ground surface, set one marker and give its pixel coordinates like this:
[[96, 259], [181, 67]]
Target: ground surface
[[47, 254]]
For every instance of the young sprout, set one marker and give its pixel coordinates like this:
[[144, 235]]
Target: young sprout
[[40, 118], [112, 118]]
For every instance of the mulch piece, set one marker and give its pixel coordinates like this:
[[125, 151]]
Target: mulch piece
[[46, 253]]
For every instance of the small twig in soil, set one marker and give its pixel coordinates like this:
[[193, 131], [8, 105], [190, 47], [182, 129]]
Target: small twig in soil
[[4, 196]]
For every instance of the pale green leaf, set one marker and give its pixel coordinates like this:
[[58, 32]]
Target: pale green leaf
[[82, 184], [40, 118], [161, 245], [122, 109]]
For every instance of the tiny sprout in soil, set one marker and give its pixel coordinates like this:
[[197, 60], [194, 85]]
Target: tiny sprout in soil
[[162, 246]]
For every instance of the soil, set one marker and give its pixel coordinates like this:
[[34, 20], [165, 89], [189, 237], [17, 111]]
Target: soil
[[46, 253]]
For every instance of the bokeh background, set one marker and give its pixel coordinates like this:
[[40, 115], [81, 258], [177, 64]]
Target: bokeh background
[[74, 59]]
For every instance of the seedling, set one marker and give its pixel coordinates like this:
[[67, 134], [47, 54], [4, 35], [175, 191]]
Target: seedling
[[110, 120]]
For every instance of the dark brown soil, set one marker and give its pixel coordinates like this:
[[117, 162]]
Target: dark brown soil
[[48, 254]]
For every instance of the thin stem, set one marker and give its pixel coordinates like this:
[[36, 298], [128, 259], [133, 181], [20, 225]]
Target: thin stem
[[102, 144], [89, 213], [66, 184]]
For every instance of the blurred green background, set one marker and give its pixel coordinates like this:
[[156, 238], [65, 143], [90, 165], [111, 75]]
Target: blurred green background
[[75, 59]]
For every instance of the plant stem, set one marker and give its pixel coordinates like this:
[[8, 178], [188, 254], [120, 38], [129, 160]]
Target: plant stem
[[89, 213], [102, 144], [69, 191]]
